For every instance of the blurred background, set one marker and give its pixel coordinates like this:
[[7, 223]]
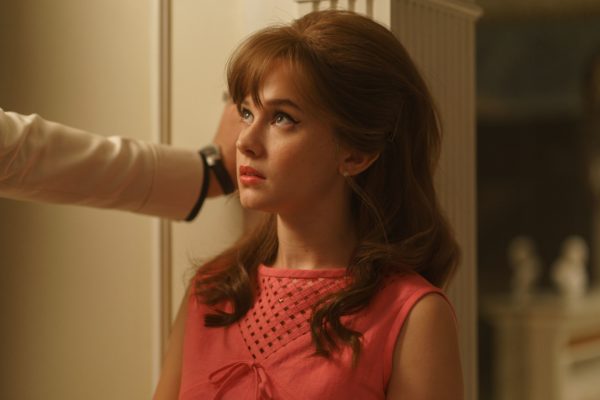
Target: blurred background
[[538, 132]]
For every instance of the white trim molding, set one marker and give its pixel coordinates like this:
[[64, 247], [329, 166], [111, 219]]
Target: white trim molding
[[464, 7], [164, 230], [363, 6]]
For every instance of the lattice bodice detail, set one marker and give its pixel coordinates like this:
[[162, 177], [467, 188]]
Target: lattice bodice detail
[[282, 311]]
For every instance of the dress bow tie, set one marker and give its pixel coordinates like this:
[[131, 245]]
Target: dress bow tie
[[232, 371]]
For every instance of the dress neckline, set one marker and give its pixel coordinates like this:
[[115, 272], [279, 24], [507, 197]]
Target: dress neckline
[[264, 270]]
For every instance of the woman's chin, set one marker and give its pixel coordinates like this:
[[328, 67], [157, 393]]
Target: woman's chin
[[252, 203]]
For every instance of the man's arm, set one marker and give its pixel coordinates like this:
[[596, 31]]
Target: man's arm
[[49, 162]]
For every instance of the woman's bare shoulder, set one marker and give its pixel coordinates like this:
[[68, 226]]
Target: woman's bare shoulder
[[426, 360]]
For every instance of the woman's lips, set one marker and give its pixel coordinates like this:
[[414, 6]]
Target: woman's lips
[[250, 176]]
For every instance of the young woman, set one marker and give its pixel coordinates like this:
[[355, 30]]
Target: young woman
[[335, 295]]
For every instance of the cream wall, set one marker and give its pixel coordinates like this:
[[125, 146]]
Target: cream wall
[[76, 285], [203, 36]]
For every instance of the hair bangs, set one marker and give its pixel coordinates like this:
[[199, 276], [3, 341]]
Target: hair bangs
[[255, 58]]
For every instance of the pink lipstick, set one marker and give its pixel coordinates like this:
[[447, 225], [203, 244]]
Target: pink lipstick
[[249, 176]]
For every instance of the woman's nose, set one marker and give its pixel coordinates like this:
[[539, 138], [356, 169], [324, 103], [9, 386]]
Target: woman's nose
[[249, 141]]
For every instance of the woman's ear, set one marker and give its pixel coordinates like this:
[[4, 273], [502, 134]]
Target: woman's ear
[[353, 162]]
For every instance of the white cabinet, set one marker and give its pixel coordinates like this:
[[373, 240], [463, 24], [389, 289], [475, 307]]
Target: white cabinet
[[546, 348]]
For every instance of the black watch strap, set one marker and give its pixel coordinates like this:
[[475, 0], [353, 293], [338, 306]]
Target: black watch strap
[[203, 190], [214, 161]]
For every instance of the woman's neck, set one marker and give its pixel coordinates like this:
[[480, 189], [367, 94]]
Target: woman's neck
[[315, 240]]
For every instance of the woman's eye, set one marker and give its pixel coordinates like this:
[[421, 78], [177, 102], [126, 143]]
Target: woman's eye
[[246, 115], [284, 119]]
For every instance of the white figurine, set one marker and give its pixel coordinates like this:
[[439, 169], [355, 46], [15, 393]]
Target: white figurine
[[569, 272], [526, 266]]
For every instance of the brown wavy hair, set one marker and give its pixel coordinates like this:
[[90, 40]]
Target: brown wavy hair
[[356, 75]]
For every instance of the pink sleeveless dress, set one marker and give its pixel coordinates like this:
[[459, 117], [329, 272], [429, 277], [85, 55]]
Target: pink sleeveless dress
[[269, 354]]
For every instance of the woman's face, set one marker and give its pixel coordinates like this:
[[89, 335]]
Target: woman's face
[[287, 159]]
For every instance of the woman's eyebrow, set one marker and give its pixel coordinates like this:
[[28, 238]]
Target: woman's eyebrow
[[283, 102]]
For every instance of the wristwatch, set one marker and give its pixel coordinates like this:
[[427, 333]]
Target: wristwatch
[[213, 158]]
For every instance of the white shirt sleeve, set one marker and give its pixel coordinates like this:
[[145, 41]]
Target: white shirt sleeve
[[49, 162]]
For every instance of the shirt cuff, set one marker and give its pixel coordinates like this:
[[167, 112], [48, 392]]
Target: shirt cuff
[[176, 184]]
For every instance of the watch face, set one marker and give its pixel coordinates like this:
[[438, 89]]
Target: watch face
[[212, 154]]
